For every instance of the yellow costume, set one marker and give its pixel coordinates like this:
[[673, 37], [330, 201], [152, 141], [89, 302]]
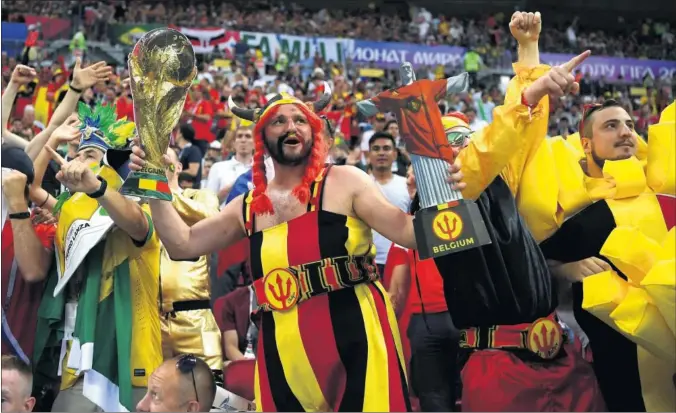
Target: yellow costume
[[188, 325], [624, 224]]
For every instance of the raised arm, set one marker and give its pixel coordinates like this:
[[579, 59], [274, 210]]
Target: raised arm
[[21, 75], [125, 213], [33, 257], [82, 79], [514, 126], [526, 28], [183, 241]]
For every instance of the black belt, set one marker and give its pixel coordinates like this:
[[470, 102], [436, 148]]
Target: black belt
[[189, 305]]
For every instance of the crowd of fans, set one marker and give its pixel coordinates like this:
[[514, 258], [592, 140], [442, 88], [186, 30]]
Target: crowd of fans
[[630, 38], [215, 148]]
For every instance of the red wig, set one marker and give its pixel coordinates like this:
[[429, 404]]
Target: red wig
[[261, 204]]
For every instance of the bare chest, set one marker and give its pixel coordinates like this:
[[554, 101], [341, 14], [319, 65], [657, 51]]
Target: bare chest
[[286, 208]]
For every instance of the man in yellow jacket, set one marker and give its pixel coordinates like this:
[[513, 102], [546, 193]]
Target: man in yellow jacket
[[616, 250]]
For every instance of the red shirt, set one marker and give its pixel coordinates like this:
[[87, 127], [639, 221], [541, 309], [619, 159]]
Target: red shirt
[[124, 107], [431, 284], [236, 314], [202, 128], [222, 122], [22, 308]]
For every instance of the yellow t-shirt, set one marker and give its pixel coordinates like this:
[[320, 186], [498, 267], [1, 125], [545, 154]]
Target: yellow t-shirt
[[144, 267]]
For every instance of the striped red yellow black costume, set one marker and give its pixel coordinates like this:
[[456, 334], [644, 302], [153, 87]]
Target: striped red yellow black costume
[[328, 338]]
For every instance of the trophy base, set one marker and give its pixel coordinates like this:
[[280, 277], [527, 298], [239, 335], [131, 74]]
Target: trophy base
[[449, 228], [147, 185]]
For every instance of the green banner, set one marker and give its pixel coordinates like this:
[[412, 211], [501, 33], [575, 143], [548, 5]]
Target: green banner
[[128, 34]]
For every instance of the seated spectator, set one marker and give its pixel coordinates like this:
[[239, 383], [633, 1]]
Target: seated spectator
[[240, 333], [17, 384], [181, 384]]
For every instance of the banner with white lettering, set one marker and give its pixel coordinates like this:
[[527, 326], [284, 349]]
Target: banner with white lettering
[[390, 55], [297, 48], [208, 40], [615, 68]]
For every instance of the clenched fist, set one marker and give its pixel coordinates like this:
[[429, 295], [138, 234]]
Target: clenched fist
[[23, 75], [14, 188], [526, 27], [559, 81]]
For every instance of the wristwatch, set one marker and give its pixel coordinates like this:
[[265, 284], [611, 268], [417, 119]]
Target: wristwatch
[[102, 189]]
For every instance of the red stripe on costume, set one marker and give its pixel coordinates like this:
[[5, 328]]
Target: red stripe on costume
[[397, 398], [163, 187], [267, 403], [303, 249], [316, 329]]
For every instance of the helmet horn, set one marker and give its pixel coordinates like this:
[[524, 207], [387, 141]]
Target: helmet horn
[[248, 114], [323, 100]]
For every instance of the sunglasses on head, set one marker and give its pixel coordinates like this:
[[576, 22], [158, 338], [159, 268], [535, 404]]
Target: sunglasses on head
[[328, 125], [186, 364]]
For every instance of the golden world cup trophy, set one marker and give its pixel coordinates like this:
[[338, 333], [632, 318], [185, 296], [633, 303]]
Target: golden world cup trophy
[[162, 68]]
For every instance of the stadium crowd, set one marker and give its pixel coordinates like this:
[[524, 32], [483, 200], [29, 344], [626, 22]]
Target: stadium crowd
[[628, 38], [214, 151]]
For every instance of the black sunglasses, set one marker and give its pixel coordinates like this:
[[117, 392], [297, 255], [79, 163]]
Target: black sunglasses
[[186, 364]]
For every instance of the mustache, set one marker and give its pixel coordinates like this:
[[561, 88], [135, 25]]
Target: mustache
[[627, 142], [286, 136]]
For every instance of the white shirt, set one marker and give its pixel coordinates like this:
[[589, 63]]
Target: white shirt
[[395, 191], [224, 174], [478, 124]]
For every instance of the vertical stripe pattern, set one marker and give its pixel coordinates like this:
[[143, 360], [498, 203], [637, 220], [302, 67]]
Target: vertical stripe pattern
[[338, 351], [430, 179]]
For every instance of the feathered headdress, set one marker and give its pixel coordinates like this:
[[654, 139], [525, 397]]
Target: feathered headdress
[[101, 129], [261, 204]]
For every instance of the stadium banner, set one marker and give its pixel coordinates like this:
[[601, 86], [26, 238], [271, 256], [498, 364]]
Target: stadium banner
[[13, 38], [295, 47], [209, 40], [129, 34], [389, 55], [611, 68]]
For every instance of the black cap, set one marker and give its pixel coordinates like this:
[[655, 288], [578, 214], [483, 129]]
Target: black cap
[[16, 158]]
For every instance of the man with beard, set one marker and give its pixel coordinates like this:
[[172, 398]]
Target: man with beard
[[501, 295], [328, 338], [616, 251]]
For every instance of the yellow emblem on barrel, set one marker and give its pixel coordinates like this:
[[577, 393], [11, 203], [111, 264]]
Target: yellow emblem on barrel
[[281, 289], [447, 225], [545, 338]]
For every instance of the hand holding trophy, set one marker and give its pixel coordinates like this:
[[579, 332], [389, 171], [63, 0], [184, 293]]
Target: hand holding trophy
[[162, 68]]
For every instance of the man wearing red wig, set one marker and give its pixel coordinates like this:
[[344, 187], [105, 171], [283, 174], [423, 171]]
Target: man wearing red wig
[[328, 337]]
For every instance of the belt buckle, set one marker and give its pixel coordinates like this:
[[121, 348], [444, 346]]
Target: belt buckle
[[545, 338], [281, 289]]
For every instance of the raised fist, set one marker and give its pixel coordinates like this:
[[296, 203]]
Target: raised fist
[[525, 27]]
